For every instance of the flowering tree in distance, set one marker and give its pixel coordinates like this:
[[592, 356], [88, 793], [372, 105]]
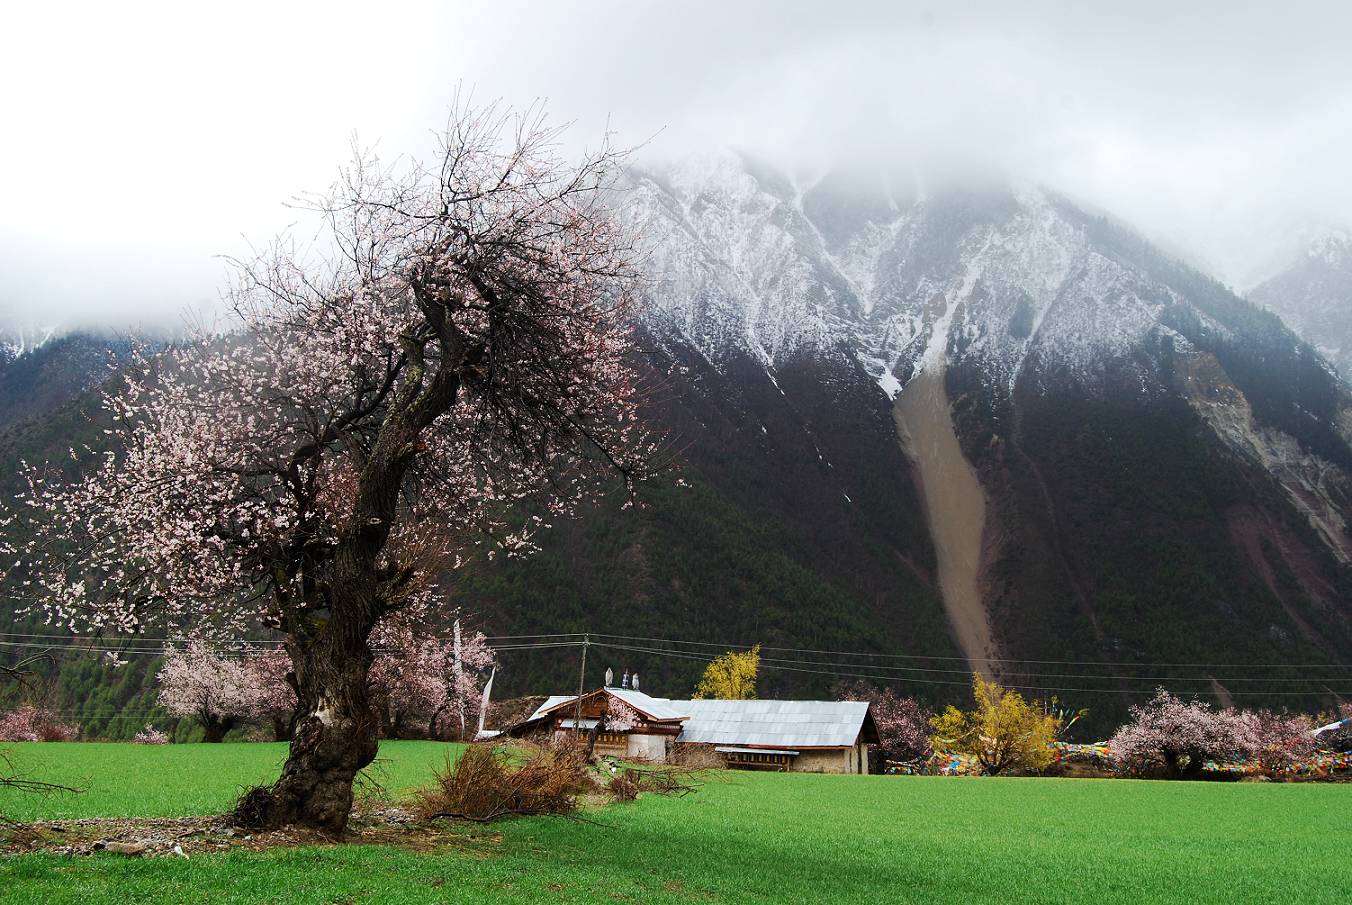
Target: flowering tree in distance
[[469, 658], [903, 723], [198, 683], [1277, 741], [273, 698], [456, 342], [1176, 737], [28, 723], [406, 680], [419, 677]]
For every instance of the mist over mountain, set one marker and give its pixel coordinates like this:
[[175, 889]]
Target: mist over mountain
[[1314, 296]]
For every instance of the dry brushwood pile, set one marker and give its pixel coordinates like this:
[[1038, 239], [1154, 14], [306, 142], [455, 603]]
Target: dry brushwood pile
[[489, 783]]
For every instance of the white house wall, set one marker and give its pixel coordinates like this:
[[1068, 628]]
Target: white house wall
[[651, 748]]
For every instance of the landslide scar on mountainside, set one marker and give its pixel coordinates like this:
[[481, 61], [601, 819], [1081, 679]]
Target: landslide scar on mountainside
[[955, 507]]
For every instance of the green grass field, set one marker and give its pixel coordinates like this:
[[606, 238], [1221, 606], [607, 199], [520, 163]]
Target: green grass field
[[125, 780], [744, 838]]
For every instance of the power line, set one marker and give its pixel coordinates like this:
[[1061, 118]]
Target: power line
[[142, 640], [804, 650], [921, 681], [137, 645], [241, 650], [222, 641]]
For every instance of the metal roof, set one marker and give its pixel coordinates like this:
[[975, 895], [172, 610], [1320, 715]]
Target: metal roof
[[653, 708], [584, 723], [764, 724], [550, 703], [780, 724]]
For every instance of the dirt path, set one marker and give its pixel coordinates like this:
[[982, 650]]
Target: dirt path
[[955, 506]]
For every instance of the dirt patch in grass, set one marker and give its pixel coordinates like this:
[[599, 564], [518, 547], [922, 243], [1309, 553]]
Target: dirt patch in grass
[[183, 837]]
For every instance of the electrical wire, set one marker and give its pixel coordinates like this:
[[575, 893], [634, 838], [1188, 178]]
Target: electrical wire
[[876, 677], [144, 645], [803, 650]]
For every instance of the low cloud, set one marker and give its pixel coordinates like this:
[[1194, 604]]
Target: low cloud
[[144, 143]]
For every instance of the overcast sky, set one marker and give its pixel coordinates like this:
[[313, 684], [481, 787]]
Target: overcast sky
[[138, 141]]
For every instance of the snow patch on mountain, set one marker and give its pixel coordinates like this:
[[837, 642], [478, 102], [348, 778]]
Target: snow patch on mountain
[[16, 340], [1314, 297], [901, 282]]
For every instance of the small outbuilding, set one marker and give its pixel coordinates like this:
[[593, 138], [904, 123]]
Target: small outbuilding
[[800, 736]]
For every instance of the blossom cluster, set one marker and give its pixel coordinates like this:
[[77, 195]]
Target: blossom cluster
[[203, 682], [620, 717], [149, 735], [903, 723], [28, 723], [419, 677], [1179, 737]]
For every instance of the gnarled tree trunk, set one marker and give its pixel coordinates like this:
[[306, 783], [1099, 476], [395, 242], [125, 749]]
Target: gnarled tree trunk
[[336, 735], [214, 728]]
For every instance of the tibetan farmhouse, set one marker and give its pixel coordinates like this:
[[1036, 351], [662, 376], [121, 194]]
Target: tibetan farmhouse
[[801, 736]]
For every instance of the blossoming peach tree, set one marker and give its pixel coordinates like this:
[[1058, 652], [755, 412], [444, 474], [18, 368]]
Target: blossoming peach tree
[[215, 690], [418, 677], [1178, 737], [457, 341]]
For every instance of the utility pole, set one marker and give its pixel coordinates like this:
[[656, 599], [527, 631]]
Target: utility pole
[[581, 678]]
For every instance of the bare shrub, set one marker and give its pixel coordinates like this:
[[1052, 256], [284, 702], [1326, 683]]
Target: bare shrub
[[668, 780], [57, 732], [625, 786], [696, 757], [489, 782]]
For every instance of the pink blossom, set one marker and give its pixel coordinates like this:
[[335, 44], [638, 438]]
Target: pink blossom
[[273, 699], [28, 723], [620, 717], [232, 452], [199, 683], [1176, 738], [903, 724], [458, 338], [418, 677], [150, 736], [1277, 741]]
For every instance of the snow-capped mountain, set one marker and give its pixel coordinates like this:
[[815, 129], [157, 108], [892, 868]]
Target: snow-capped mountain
[[1009, 280], [1005, 285], [18, 337], [43, 369], [1152, 463], [1314, 297]]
